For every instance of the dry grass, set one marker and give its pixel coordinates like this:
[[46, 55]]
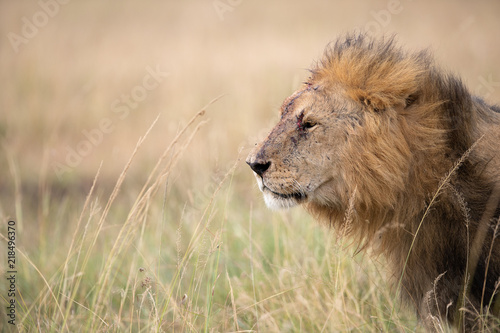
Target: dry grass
[[155, 229]]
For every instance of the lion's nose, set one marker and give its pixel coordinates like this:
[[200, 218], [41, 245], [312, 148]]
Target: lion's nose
[[259, 167]]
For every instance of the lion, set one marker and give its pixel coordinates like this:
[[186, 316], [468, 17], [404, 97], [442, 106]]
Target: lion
[[383, 145]]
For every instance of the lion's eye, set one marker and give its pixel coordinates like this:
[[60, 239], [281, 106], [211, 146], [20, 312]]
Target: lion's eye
[[308, 124], [304, 124]]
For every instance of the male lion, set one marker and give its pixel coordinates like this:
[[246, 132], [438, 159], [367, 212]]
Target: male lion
[[399, 154]]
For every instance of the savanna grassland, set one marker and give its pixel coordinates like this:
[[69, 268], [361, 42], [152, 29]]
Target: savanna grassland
[[124, 127]]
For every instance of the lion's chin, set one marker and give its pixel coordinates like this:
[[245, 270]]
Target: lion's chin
[[276, 201]]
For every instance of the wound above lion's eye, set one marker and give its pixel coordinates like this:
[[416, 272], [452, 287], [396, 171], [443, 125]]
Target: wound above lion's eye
[[300, 118]]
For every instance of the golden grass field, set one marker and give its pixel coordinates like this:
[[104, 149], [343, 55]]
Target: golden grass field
[[131, 218]]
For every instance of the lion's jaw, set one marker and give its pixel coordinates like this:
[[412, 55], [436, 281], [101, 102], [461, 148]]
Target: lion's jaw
[[276, 200]]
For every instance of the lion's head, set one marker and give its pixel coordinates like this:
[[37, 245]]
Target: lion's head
[[344, 133]]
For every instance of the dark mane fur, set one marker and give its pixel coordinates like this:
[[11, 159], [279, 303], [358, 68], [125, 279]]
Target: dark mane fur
[[451, 245]]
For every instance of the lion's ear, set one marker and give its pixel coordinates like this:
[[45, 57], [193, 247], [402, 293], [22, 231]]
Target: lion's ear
[[372, 101], [380, 101], [373, 104], [410, 100]]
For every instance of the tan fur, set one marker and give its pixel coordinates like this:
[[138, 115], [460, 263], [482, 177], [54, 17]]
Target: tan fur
[[383, 130]]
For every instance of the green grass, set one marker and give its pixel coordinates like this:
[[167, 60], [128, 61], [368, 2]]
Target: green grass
[[143, 260]]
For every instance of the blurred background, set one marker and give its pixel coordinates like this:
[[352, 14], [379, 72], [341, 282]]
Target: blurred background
[[67, 65], [82, 81]]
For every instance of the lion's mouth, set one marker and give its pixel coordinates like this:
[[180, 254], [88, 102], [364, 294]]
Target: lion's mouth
[[277, 200], [297, 196], [282, 200]]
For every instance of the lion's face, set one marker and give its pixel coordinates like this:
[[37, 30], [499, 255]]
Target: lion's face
[[301, 159]]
